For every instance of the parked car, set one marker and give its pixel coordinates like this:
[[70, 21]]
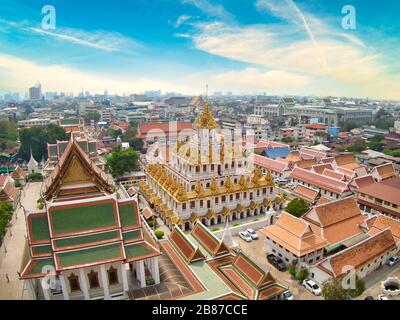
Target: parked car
[[287, 295], [382, 297], [245, 236], [252, 233], [276, 262], [393, 260], [312, 287]]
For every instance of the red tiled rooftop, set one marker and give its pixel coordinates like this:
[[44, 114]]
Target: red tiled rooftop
[[319, 180], [386, 190], [270, 164], [316, 126], [333, 174]]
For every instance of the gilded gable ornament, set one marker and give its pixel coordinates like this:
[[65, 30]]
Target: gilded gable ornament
[[242, 182], [199, 188], [228, 184], [214, 186]]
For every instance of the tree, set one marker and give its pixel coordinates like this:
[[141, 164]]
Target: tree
[[359, 289], [114, 133], [36, 139], [8, 134], [302, 274], [6, 210], [136, 143], [287, 139], [95, 116], [333, 290], [349, 125], [383, 119], [393, 153], [36, 176], [121, 161], [297, 207], [134, 127], [376, 142], [357, 146], [292, 268]]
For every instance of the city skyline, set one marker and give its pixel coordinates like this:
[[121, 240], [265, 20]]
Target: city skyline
[[277, 47]]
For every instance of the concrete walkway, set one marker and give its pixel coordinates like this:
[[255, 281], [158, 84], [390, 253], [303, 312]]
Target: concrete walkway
[[13, 246]]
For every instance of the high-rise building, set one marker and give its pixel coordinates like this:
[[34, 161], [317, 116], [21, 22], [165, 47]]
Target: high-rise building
[[35, 92]]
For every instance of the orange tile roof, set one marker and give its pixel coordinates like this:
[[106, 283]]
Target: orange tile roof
[[333, 174], [336, 220], [345, 159], [312, 152], [155, 128], [316, 126], [382, 222], [323, 200], [386, 190], [359, 255], [306, 164], [305, 193], [385, 170], [294, 234], [267, 163], [364, 181], [148, 213], [319, 168], [319, 180]]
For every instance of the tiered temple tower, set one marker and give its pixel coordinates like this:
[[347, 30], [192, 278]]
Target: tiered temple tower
[[209, 178]]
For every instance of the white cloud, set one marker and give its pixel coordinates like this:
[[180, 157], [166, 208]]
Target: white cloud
[[212, 10], [19, 74], [335, 62], [96, 39], [251, 79], [106, 41], [181, 20]]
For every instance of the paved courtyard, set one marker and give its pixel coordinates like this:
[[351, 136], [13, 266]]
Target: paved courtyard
[[13, 245]]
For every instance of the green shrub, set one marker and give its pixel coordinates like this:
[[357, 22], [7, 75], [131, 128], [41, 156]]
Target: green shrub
[[302, 274], [236, 224], [6, 210], [360, 287], [151, 223], [292, 268], [256, 219], [159, 234], [215, 229], [35, 177]]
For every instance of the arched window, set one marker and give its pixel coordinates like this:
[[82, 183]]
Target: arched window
[[112, 275], [93, 279]]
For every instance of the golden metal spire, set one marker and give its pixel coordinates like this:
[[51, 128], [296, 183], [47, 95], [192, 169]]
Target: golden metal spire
[[206, 120]]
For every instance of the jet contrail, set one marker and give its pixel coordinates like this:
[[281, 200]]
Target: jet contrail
[[310, 33]]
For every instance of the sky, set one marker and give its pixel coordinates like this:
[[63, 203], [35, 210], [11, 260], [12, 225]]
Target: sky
[[276, 47]]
